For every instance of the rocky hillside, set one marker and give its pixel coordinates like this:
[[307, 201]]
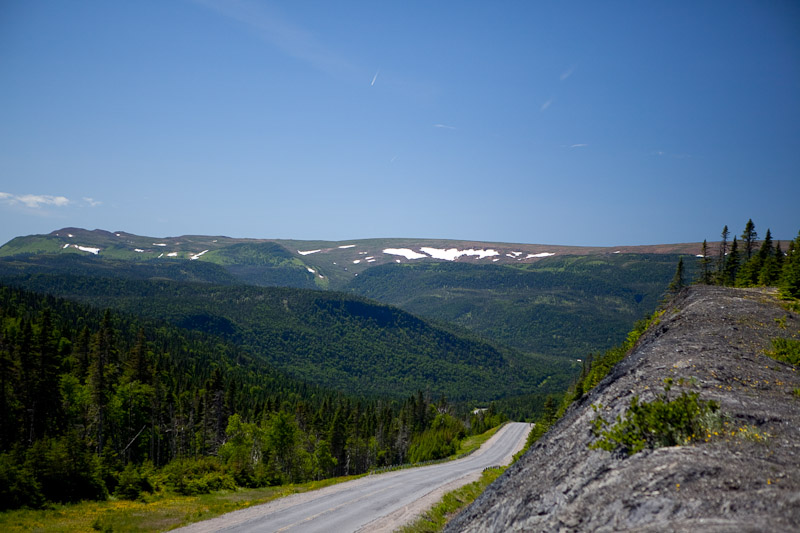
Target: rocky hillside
[[742, 476]]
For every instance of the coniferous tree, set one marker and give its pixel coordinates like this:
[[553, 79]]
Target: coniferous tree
[[766, 248], [677, 280], [790, 276], [46, 392], [26, 357], [9, 401], [705, 262], [749, 237], [731, 265], [723, 252], [101, 373], [779, 256], [768, 272], [81, 355]]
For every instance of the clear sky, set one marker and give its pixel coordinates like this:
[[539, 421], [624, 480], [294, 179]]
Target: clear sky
[[583, 123]]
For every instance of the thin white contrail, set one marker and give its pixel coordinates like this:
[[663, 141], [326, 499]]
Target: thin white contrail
[[375, 77]]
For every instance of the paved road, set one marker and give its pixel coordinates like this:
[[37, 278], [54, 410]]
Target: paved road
[[380, 502]]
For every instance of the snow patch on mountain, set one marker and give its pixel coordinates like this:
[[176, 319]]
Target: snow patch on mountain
[[308, 252], [347, 246], [405, 252], [89, 249], [543, 254], [452, 254], [197, 256]]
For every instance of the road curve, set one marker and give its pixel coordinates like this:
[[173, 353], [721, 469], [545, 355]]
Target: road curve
[[380, 502]]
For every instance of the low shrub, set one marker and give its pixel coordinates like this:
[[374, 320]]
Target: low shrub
[[196, 476], [662, 422], [134, 481], [786, 350], [18, 486]]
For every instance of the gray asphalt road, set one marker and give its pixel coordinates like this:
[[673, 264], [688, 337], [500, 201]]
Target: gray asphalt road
[[380, 502]]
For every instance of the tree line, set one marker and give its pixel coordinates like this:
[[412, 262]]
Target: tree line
[[746, 263], [94, 403]]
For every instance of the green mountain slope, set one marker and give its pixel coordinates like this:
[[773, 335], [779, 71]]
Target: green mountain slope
[[339, 341], [557, 300], [96, 402], [566, 306]]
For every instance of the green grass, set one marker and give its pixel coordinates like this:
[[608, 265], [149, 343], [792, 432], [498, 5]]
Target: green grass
[[162, 512], [166, 511], [437, 517], [470, 444]]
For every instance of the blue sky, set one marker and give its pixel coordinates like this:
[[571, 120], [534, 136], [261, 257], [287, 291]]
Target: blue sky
[[582, 123]]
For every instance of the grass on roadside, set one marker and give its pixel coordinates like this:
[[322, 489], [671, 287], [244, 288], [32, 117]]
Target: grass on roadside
[[160, 513], [164, 511], [472, 443], [437, 517]]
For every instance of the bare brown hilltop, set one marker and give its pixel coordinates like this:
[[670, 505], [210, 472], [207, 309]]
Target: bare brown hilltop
[[745, 477]]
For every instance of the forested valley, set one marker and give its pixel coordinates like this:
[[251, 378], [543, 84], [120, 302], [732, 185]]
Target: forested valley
[[128, 380], [95, 403]]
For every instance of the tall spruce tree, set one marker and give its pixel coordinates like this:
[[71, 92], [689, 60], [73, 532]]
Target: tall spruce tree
[[47, 398], [101, 376], [749, 237], [731, 264], [768, 271], [723, 252], [766, 248], [705, 263], [677, 280], [790, 276]]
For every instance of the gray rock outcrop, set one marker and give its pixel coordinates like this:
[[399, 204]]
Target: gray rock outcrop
[[746, 477]]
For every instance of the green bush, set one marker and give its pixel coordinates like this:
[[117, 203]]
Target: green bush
[[196, 476], [662, 422], [438, 442], [18, 486], [133, 481], [786, 350], [66, 469]]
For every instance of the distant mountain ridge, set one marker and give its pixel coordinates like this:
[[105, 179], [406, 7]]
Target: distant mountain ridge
[[328, 264], [563, 301]]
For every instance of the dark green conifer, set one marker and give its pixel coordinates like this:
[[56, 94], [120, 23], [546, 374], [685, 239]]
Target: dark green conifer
[[790, 276], [677, 280], [731, 265], [723, 253], [705, 263], [749, 237], [766, 248]]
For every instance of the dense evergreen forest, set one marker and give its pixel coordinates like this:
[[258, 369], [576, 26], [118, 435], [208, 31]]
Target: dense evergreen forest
[[748, 263], [340, 341], [165, 392], [562, 306], [98, 402]]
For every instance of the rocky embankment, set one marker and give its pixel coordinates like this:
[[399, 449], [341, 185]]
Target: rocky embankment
[[746, 477]]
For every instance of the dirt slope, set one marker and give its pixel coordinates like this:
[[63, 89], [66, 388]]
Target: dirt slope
[[749, 481]]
